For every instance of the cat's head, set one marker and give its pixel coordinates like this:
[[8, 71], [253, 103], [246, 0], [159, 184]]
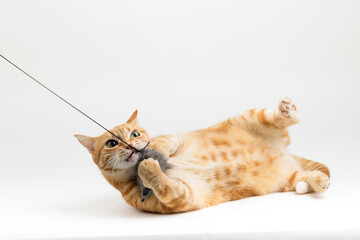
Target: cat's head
[[109, 153]]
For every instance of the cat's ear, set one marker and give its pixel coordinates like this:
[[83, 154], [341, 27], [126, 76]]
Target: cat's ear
[[133, 118], [87, 142]]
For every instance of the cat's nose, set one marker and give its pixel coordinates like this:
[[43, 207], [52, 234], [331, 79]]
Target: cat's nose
[[128, 147]]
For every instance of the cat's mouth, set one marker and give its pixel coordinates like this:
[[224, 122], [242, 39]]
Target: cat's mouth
[[129, 157]]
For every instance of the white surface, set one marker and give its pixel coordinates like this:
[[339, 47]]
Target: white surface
[[184, 65]]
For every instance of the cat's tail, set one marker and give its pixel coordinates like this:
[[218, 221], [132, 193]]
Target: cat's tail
[[309, 165]]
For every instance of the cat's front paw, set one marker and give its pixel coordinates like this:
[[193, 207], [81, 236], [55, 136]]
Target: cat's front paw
[[148, 170], [288, 109]]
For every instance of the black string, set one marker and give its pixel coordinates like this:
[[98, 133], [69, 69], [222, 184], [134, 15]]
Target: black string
[[73, 105]]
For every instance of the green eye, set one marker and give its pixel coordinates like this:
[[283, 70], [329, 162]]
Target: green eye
[[111, 143], [134, 134]]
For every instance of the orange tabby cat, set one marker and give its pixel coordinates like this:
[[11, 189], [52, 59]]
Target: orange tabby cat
[[243, 156]]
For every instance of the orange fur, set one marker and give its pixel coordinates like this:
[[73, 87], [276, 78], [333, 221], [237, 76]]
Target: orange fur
[[243, 156]]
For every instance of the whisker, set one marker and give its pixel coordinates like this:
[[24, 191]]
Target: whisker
[[108, 164], [112, 172]]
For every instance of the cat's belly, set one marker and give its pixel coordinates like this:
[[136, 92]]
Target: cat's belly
[[219, 179]]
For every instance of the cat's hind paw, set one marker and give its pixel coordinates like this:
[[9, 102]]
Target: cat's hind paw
[[319, 182], [288, 109], [316, 181]]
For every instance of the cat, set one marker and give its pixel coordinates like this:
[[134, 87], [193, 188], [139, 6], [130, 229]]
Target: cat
[[244, 156]]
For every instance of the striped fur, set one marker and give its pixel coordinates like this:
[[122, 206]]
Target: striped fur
[[243, 156]]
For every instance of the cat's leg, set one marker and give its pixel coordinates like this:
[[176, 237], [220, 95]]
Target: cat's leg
[[266, 120], [174, 194], [308, 181], [310, 165], [314, 177], [167, 145]]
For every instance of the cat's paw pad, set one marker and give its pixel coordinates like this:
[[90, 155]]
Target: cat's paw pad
[[287, 108], [320, 182]]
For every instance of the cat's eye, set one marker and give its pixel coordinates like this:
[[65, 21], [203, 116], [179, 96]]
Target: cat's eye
[[134, 134], [111, 143]]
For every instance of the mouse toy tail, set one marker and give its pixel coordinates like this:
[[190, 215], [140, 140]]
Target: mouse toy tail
[[145, 194]]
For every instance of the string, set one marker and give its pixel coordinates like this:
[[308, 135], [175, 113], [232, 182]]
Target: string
[[73, 106]]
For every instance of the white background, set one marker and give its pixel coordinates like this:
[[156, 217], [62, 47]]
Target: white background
[[184, 65]]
